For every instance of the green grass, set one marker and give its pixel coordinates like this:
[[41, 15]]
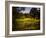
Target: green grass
[[24, 23], [27, 20]]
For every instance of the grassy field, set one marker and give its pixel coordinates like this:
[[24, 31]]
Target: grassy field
[[27, 23], [28, 20]]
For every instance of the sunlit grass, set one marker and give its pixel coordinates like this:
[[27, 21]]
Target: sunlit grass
[[24, 23], [28, 20]]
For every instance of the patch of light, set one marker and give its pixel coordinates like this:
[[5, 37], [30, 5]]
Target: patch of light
[[27, 10], [38, 9]]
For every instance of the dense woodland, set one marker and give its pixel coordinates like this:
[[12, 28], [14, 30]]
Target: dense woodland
[[33, 22]]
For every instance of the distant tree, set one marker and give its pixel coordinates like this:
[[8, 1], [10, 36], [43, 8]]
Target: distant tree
[[35, 13]]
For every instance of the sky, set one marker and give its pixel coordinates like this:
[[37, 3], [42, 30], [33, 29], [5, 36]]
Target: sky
[[27, 10]]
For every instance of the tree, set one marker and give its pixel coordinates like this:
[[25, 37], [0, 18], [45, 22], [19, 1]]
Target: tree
[[35, 13]]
